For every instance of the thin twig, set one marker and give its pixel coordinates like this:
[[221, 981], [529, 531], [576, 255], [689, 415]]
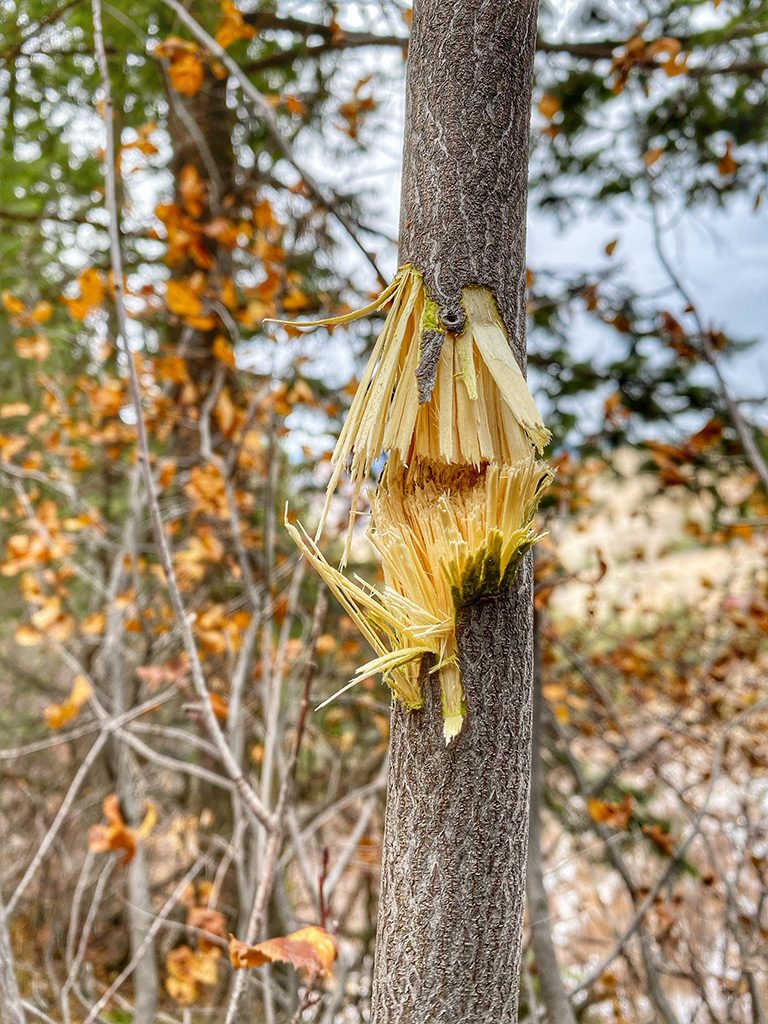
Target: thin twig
[[152, 931], [272, 851], [74, 788]]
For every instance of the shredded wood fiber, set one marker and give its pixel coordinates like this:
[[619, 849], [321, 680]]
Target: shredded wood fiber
[[453, 513]]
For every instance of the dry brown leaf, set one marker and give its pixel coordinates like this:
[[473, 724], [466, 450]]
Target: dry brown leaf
[[116, 835], [608, 812], [727, 165], [312, 951], [57, 715], [192, 190], [188, 970]]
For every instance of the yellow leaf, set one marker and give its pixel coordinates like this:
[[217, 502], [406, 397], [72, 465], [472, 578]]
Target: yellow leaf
[[188, 970], [554, 691], [93, 625], [57, 715], [92, 286], [91, 295], [296, 300], [81, 691], [183, 990]]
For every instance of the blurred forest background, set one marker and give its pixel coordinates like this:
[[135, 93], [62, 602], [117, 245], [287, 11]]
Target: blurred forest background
[[257, 177]]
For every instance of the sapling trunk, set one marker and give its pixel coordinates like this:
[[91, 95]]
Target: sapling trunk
[[444, 395], [455, 838]]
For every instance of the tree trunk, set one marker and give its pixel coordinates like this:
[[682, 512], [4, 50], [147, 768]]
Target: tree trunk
[[456, 830]]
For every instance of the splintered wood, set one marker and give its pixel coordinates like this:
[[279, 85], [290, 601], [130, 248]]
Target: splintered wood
[[452, 516]]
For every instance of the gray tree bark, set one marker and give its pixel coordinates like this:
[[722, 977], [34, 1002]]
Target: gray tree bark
[[11, 1008], [456, 831]]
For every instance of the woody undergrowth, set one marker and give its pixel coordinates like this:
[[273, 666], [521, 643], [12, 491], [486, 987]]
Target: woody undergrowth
[[453, 512]]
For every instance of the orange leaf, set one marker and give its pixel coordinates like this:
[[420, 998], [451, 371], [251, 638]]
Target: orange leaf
[[207, 920], [295, 106], [192, 189], [57, 715], [27, 636], [548, 106], [226, 413], [232, 26], [326, 644], [309, 950], [220, 706], [607, 812], [222, 350], [666, 46], [92, 291], [182, 299], [37, 347], [42, 313], [187, 74], [13, 305], [116, 835], [652, 156]]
